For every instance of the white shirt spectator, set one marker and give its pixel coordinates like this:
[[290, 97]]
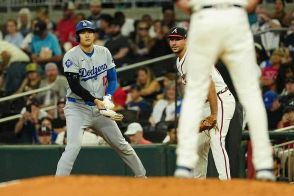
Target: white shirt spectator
[[127, 27], [159, 108], [17, 55]]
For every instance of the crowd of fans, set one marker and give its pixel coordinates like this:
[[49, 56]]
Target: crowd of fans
[[32, 46]]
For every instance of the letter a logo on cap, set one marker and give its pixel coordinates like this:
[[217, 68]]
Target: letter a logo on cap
[[175, 30], [84, 23]]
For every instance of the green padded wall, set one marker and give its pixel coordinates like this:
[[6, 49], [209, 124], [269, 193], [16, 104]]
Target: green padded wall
[[18, 162]]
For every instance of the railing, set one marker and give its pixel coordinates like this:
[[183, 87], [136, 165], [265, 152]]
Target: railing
[[10, 4], [285, 152]]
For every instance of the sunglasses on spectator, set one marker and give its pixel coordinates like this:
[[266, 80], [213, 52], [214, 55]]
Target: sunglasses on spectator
[[143, 28]]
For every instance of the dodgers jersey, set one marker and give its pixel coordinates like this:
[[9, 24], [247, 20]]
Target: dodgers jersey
[[92, 70], [215, 75]]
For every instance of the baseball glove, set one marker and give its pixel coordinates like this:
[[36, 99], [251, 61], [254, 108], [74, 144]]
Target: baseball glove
[[112, 114], [207, 124]]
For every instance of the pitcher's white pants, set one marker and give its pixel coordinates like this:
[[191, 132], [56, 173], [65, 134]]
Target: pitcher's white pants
[[224, 34]]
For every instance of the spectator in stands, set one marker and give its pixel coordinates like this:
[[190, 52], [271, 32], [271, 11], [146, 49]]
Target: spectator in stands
[[150, 87], [279, 13], [43, 136], [169, 17], [24, 21], [270, 40], [137, 103], [89, 139], [118, 45], [119, 98], [160, 46], [287, 118], [26, 126], [261, 56], [59, 122], [169, 79], [288, 98], [45, 46], [104, 32], [95, 9], [135, 134], [58, 89], [142, 42], [270, 73], [148, 19], [65, 29], [285, 71], [289, 39], [12, 66], [171, 137], [127, 24], [275, 112], [42, 14], [164, 110], [26, 44], [45, 133], [32, 80], [13, 36]]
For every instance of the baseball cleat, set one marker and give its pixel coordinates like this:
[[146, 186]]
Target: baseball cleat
[[265, 175], [183, 172]]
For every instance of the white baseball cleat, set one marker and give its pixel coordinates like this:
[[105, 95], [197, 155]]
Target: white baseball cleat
[[183, 172], [265, 175]]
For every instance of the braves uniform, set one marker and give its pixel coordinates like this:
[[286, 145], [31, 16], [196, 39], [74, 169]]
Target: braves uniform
[[214, 138], [81, 115], [228, 38]]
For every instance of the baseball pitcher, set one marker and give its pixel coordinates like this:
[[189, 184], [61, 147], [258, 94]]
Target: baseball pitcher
[[219, 29]]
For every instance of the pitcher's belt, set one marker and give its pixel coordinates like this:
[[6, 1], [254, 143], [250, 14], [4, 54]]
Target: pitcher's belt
[[222, 91]]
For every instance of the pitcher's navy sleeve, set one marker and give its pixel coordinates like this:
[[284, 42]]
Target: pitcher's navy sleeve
[[112, 81]]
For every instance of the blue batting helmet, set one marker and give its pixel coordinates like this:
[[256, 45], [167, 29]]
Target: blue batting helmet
[[82, 25]]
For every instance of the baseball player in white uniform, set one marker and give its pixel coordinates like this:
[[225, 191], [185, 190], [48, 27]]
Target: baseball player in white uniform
[[91, 75], [225, 109], [219, 29]]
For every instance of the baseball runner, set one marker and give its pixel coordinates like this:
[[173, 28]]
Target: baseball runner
[[228, 38], [225, 104], [91, 75]]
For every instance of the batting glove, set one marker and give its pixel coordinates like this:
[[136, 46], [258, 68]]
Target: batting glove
[[108, 102]]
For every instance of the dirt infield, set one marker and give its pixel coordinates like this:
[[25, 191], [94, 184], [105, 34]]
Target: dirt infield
[[126, 186]]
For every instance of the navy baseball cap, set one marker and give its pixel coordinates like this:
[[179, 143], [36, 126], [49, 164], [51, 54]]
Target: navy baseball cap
[[177, 32]]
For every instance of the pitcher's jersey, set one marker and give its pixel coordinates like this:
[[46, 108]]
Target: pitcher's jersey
[[214, 2], [215, 75], [92, 70]]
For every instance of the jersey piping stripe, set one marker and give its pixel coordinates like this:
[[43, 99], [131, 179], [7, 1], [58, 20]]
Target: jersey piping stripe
[[221, 145]]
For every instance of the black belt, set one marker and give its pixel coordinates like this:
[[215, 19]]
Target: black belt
[[222, 91], [221, 6]]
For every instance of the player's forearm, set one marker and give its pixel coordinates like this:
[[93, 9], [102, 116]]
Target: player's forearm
[[75, 86], [252, 4], [212, 99]]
